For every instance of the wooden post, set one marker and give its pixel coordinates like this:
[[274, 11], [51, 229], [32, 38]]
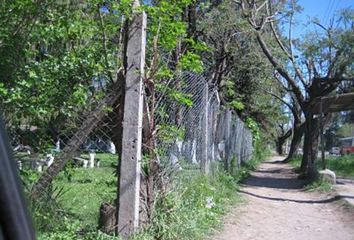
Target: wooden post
[[205, 132], [130, 155]]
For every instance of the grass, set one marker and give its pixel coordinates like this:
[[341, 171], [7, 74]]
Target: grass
[[319, 186], [87, 188], [192, 208], [85, 191], [343, 166], [72, 203]]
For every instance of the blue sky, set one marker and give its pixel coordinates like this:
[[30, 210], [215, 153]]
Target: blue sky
[[321, 9]]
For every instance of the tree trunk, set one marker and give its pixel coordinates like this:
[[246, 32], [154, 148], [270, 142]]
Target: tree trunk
[[279, 145], [107, 218], [299, 130], [311, 145], [280, 140]]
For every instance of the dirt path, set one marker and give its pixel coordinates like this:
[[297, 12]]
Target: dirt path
[[276, 207]]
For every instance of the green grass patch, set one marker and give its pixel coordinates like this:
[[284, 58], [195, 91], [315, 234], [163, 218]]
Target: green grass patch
[[70, 207], [85, 191], [196, 204], [319, 186], [343, 166], [296, 162]]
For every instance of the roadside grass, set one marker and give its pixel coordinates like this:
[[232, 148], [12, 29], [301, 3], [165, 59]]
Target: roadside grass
[[343, 166], [192, 208], [319, 186], [296, 162]]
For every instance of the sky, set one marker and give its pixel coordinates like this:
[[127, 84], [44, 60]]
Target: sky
[[321, 9]]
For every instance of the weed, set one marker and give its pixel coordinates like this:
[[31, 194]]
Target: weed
[[319, 186], [192, 208]]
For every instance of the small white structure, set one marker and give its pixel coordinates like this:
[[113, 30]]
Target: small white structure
[[328, 176], [112, 148], [179, 144], [92, 160], [49, 159], [85, 163], [221, 149], [19, 164], [174, 162], [57, 146], [194, 151], [39, 167]]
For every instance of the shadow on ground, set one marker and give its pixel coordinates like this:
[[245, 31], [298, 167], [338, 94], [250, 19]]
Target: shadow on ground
[[328, 200], [276, 175]]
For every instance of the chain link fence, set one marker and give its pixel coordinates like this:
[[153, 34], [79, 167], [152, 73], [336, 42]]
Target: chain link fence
[[38, 141], [193, 127]]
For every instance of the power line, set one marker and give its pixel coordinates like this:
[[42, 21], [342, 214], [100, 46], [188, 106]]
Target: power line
[[326, 12], [330, 12]]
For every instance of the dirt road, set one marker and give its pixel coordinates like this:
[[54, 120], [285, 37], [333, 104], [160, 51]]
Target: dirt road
[[276, 207]]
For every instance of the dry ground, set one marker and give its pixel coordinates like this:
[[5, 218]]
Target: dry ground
[[277, 207]]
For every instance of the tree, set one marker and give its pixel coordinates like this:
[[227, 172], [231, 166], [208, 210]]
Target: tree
[[235, 66], [324, 61], [59, 50]]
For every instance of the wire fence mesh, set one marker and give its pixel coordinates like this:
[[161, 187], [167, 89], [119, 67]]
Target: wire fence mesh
[[190, 121], [193, 126], [37, 142]]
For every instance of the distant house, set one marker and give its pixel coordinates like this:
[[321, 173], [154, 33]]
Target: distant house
[[346, 145]]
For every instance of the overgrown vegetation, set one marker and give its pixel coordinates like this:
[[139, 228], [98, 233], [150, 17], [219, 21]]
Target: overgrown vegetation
[[192, 208], [195, 204], [319, 186]]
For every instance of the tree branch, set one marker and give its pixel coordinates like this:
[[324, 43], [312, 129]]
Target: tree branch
[[288, 53], [104, 44], [279, 98], [280, 68]]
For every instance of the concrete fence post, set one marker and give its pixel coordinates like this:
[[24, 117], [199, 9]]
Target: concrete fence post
[[130, 156], [228, 154], [204, 162]]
